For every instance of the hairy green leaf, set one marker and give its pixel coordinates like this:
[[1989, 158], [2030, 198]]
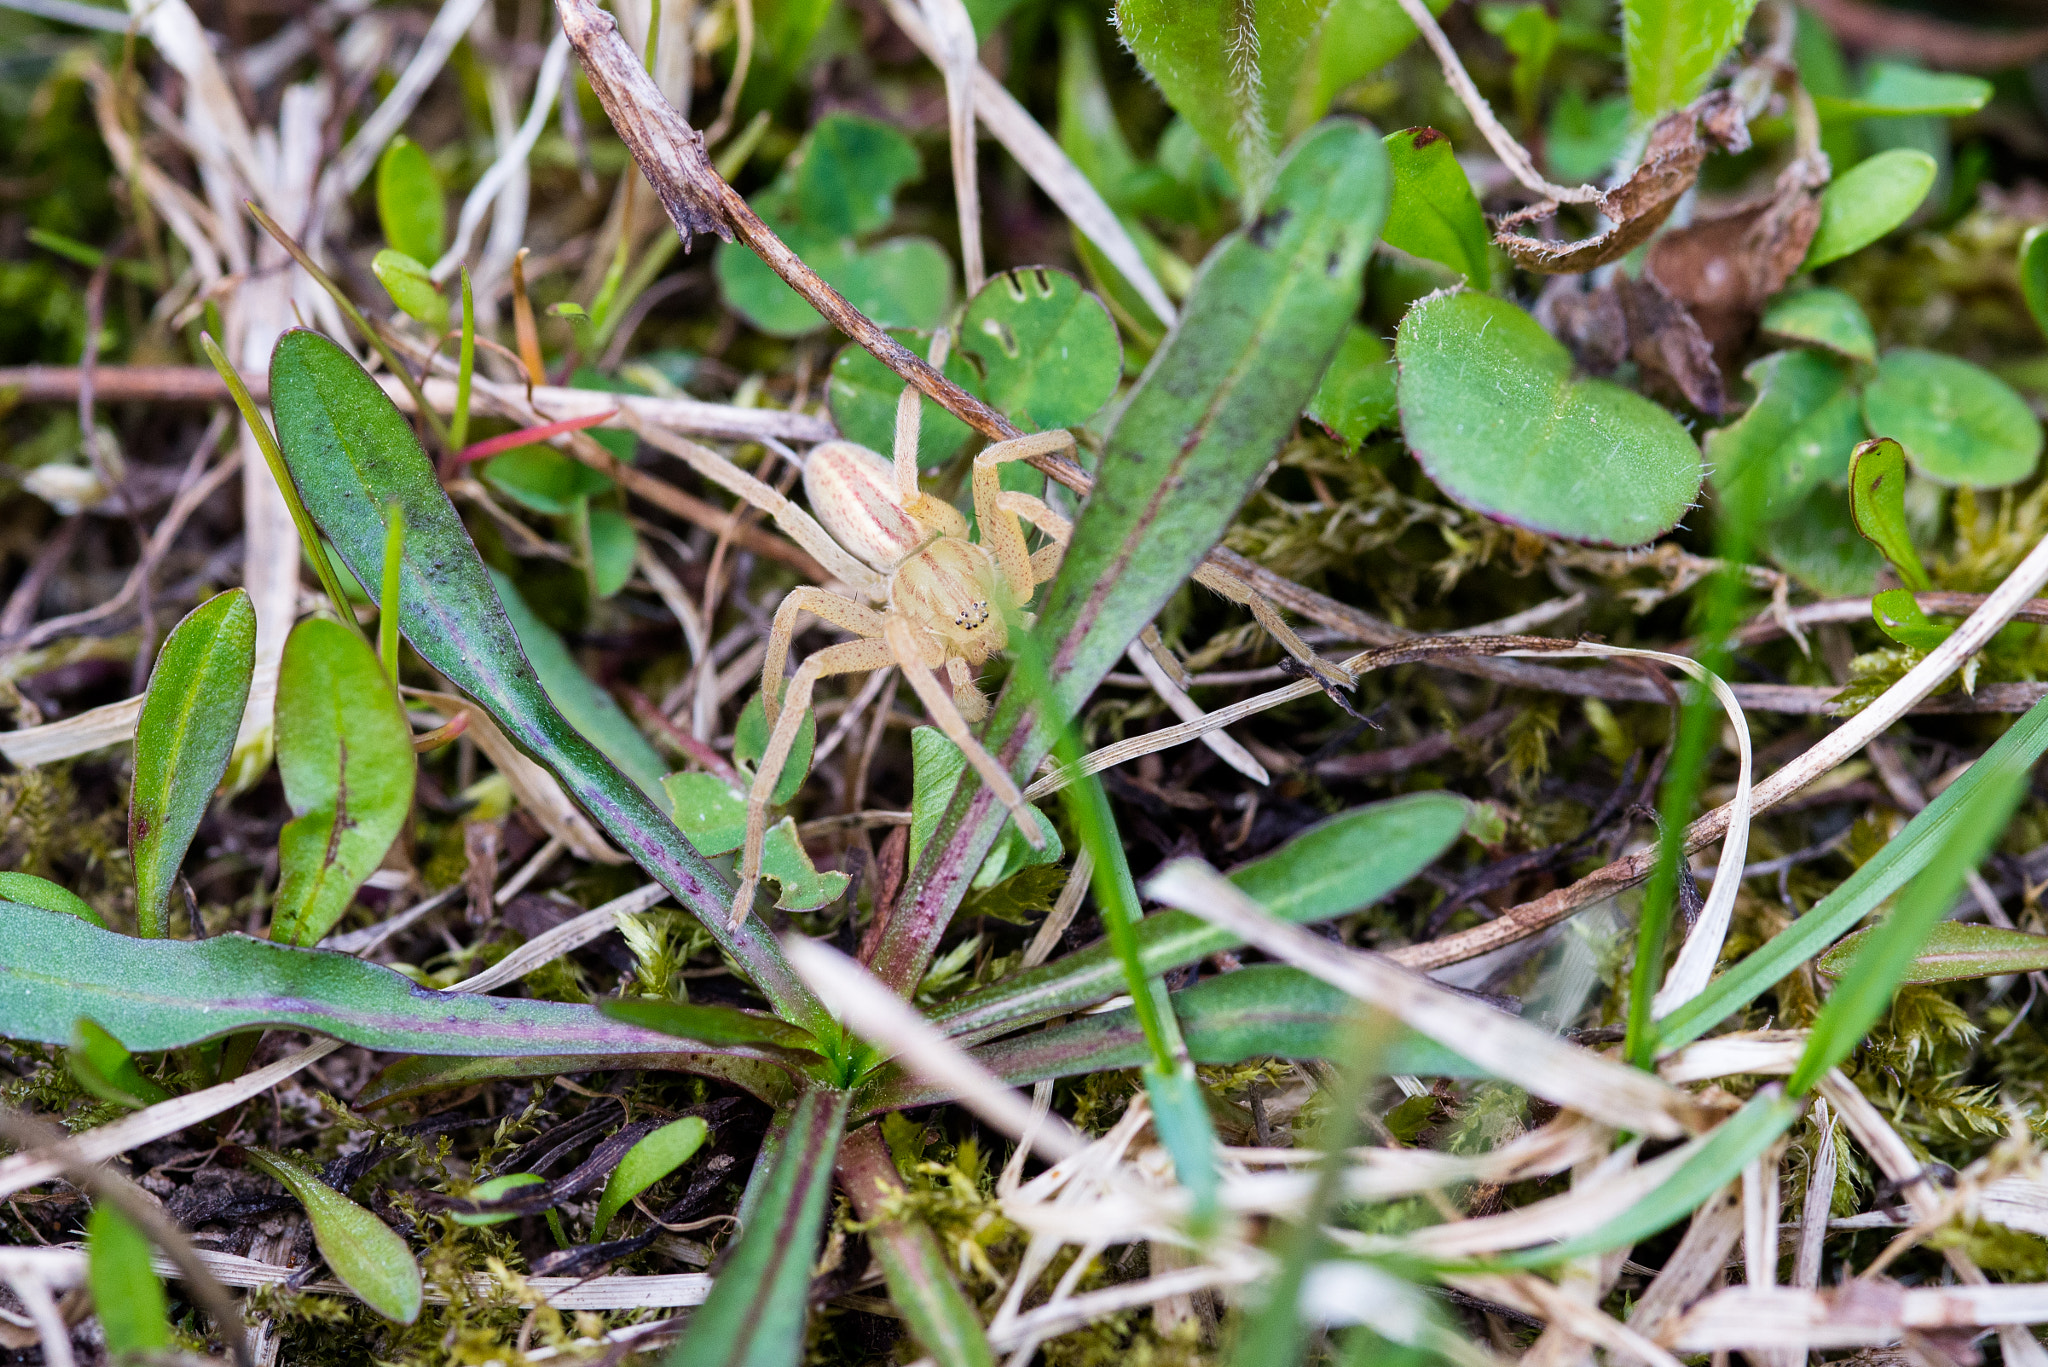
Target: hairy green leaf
[[1671, 48], [1491, 408], [1434, 214], [654, 1157], [1871, 199], [1958, 422], [363, 1251], [191, 712]]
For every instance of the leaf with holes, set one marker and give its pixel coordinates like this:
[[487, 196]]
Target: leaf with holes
[[713, 814]]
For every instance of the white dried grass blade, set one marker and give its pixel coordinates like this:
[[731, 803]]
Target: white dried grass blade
[[1760, 1220], [213, 116], [1820, 1192], [675, 1290], [1380, 1174], [1175, 697], [958, 58], [72, 12], [512, 160], [1010, 124], [1859, 1313], [1765, 1053], [880, 1016], [2015, 1202], [532, 784], [1535, 1296], [553, 402], [1693, 1266], [362, 150], [1508, 1048], [1068, 1313]]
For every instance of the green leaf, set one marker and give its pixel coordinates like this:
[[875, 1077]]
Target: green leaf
[[1048, 349], [543, 479], [1816, 543], [1896, 90], [1823, 318], [104, 1067], [1877, 501], [1584, 138], [863, 393], [1434, 214], [410, 1078], [411, 287], [714, 816], [585, 706], [1952, 952], [936, 766], [1959, 423], [1356, 396], [1230, 70], [1088, 129], [1333, 869], [126, 1292], [1874, 197], [1671, 48], [191, 712], [31, 891], [752, 289], [1899, 617], [1945, 822], [1795, 437], [491, 1190], [905, 282], [750, 742], [344, 751], [350, 453], [843, 178], [613, 546], [410, 203], [1491, 409], [711, 1024], [755, 1314], [371, 1261], [1358, 38], [2033, 267], [647, 1162], [1886, 954]]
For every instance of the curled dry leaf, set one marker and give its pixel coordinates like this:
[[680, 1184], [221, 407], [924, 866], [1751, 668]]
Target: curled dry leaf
[[1665, 341], [1638, 206], [1723, 266]]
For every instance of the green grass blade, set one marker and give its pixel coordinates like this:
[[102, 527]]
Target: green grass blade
[[1869, 980], [755, 1314], [191, 712], [1885, 873], [351, 453]]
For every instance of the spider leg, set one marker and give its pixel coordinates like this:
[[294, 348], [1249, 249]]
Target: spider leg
[[1237, 591], [966, 694], [902, 639], [999, 529], [831, 607], [801, 527], [935, 513], [848, 657], [1045, 561]]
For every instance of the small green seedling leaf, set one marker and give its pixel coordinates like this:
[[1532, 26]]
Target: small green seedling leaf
[[647, 1162], [1959, 423], [1952, 951], [104, 1067], [1434, 213], [1048, 349], [410, 205], [345, 754], [750, 742], [371, 1260], [714, 816], [1356, 397], [1877, 500], [1530, 444], [1584, 137], [863, 394], [191, 712], [1893, 90], [613, 546], [2034, 273], [126, 1292], [1823, 318], [1872, 198], [1671, 48], [411, 287], [1358, 38], [1899, 617], [31, 891], [491, 1190], [1795, 437], [844, 178], [543, 479]]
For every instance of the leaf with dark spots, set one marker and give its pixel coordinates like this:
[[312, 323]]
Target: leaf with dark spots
[[1266, 230]]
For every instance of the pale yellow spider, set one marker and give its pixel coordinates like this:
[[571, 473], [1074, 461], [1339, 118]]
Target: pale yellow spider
[[946, 600]]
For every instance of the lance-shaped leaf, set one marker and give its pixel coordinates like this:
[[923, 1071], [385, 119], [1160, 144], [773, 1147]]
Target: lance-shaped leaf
[[423, 1075], [1672, 47], [707, 1023], [410, 207], [654, 1157], [363, 1251], [190, 714], [126, 1292], [351, 453], [104, 1067], [1434, 213], [1877, 501], [755, 1314], [32, 891], [1267, 312], [344, 751], [1952, 951], [1869, 200], [1338, 867]]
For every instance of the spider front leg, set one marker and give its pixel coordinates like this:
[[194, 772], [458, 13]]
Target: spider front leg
[[849, 657], [1335, 680], [917, 667], [831, 607], [1000, 532]]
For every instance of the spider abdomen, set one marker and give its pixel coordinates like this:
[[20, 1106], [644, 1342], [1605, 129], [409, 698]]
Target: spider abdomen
[[852, 491]]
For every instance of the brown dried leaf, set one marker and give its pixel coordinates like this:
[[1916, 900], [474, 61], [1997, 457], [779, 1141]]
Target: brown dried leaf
[[1664, 339], [1724, 266], [1588, 321], [1671, 163]]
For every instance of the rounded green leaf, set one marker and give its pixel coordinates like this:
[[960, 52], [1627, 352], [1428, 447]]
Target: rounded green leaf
[[863, 394], [363, 1251], [846, 174], [1898, 616], [905, 282], [750, 742], [1796, 435], [1959, 423], [613, 545], [345, 754], [31, 891], [2034, 273], [1823, 318], [1816, 543], [1356, 396], [191, 712], [491, 1190], [543, 479], [1434, 213], [127, 1294], [409, 201], [1872, 198], [1877, 502], [411, 287], [647, 1162], [1048, 349], [755, 292], [1490, 408]]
